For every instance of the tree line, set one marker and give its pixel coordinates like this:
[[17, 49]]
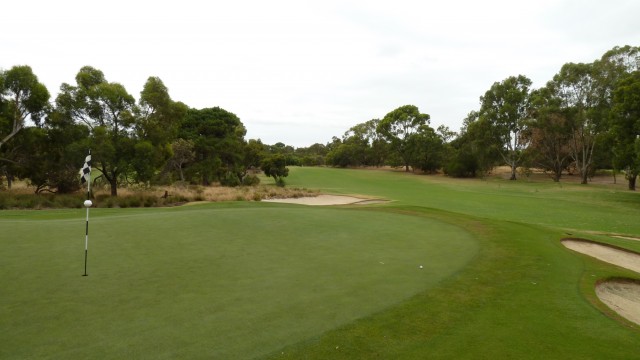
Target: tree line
[[154, 140], [584, 119]]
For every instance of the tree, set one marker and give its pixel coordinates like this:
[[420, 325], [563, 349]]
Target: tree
[[549, 134], [157, 123], [275, 166], [505, 106], [181, 154], [475, 151], [218, 144], [22, 97], [427, 150], [398, 126], [576, 89], [108, 110], [48, 155], [626, 127]]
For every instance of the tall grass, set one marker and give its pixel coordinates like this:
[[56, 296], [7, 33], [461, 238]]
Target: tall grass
[[23, 198]]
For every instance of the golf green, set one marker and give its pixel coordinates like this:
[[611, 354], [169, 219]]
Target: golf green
[[229, 280]]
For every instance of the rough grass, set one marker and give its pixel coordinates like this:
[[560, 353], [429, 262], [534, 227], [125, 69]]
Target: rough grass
[[22, 196]]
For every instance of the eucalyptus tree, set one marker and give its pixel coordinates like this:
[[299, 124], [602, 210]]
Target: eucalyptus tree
[[427, 149], [22, 98], [107, 109], [626, 127], [577, 89], [355, 147], [615, 75], [505, 107], [399, 126], [474, 151], [549, 134], [158, 118]]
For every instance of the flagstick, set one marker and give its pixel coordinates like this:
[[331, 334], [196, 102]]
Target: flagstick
[[87, 204]]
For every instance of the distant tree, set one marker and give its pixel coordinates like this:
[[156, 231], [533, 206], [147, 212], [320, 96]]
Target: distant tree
[[549, 134], [505, 106], [255, 151], [275, 166], [577, 89], [626, 127], [218, 144], [314, 155], [398, 126], [22, 97], [475, 151], [156, 126], [426, 150], [182, 153]]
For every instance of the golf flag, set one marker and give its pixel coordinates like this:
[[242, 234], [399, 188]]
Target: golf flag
[[85, 177], [85, 172]]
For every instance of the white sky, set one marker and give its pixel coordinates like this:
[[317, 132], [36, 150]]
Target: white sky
[[301, 72]]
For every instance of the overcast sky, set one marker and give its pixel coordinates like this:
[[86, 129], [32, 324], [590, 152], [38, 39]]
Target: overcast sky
[[300, 72]]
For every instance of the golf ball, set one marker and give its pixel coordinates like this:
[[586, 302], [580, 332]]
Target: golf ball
[[87, 203], [420, 266]]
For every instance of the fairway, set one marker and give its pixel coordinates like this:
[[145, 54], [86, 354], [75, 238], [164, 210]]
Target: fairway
[[235, 280]]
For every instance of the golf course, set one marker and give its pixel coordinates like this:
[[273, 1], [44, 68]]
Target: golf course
[[438, 268]]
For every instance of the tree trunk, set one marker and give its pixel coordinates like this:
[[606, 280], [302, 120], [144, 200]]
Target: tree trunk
[[632, 182], [513, 172], [114, 186], [585, 177]]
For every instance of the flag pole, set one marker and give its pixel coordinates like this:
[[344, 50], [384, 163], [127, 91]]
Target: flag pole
[[86, 176]]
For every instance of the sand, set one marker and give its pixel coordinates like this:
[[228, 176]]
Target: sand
[[622, 296], [625, 259], [321, 200]]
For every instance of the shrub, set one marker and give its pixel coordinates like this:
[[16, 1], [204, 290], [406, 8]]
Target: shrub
[[230, 179], [251, 180]]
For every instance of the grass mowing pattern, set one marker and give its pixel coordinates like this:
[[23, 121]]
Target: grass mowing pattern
[[209, 281]]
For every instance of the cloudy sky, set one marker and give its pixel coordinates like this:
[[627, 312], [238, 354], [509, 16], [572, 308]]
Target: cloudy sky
[[301, 72]]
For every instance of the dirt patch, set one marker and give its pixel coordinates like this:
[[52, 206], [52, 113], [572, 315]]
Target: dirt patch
[[622, 296], [321, 200]]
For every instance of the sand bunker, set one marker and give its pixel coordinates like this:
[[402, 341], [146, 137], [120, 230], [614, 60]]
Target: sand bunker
[[623, 296], [612, 255], [326, 200]]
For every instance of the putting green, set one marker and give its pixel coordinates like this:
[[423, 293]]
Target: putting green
[[213, 280]]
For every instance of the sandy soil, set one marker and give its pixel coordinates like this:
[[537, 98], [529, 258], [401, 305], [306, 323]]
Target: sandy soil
[[621, 296], [323, 200]]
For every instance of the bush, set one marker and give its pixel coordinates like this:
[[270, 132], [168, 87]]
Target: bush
[[251, 180], [230, 179]]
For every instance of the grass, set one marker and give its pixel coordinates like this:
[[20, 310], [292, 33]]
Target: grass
[[254, 280], [233, 280]]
